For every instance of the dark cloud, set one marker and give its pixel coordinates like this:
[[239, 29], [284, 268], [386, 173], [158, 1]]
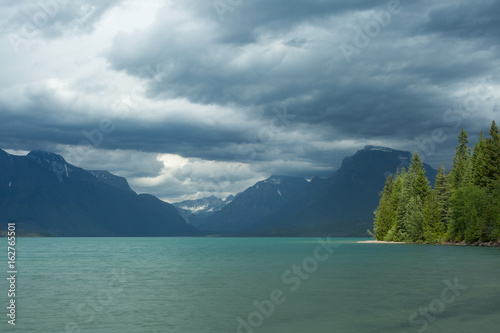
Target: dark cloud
[[255, 88], [398, 84], [465, 20]]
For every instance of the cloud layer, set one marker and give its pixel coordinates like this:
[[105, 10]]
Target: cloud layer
[[240, 90]]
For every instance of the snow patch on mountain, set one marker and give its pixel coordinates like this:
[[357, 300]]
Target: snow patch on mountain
[[206, 206]]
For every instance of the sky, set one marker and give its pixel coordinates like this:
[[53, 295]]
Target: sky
[[191, 98]]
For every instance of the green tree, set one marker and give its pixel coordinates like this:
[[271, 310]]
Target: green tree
[[419, 183], [491, 158], [495, 198], [458, 221], [488, 225], [460, 174], [413, 222], [400, 198], [398, 187], [384, 215], [476, 207], [443, 194], [467, 213], [434, 228], [478, 171]]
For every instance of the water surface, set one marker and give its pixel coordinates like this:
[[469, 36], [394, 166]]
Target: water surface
[[232, 285]]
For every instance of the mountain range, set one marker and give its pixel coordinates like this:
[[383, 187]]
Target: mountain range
[[341, 205], [45, 194]]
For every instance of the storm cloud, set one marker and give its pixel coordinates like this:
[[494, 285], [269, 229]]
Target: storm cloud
[[198, 97]]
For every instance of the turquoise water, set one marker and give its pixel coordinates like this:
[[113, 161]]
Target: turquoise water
[[211, 285]]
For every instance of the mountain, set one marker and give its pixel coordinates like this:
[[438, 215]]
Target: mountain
[[204, 206], [343, 204], [262, 199], [195, 212], [43, 193]]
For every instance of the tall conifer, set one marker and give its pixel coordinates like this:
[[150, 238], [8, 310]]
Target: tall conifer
[[443, 194], [384, 215], [491, 159], [460, 174], [419, 183]]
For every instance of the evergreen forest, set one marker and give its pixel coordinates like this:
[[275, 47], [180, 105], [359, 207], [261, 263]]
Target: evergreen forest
[[463, 206]]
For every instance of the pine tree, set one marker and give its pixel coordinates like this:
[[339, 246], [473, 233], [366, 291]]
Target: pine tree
[[494, 132], [414, 221], [419, 183], [434, 228], [467, 213], [400, 198], [478, 175], [458, 220], [495, 198], [491, 158], [476, 206], [398, 186], [384, 215], [443, 195], [460, 174], [487, 227]]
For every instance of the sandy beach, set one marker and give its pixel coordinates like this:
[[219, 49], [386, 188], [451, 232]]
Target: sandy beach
[[379, 242]]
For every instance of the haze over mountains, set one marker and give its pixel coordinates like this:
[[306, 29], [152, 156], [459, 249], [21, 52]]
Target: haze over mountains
[[45, 194]]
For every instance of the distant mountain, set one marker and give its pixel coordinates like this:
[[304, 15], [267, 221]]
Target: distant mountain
[[204, 206], [43, 193], [258, 201], [343, 204], [195, 212]]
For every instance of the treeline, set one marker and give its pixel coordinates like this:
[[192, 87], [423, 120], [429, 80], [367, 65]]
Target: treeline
[[463, 206]]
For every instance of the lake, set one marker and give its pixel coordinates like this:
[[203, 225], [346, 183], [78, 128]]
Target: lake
[[250, 285]]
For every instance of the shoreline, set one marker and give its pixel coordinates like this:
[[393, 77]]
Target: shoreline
[[478, 244], [379, 242]]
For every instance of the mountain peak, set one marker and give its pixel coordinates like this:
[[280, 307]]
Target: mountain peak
[[274, 180], [279, 179], [379, 148], [370, 148], [46, 157]]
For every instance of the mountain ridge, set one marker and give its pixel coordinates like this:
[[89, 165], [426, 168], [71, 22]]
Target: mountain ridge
[[261, 199], [348, 197], [96, 200], [43, 193]]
